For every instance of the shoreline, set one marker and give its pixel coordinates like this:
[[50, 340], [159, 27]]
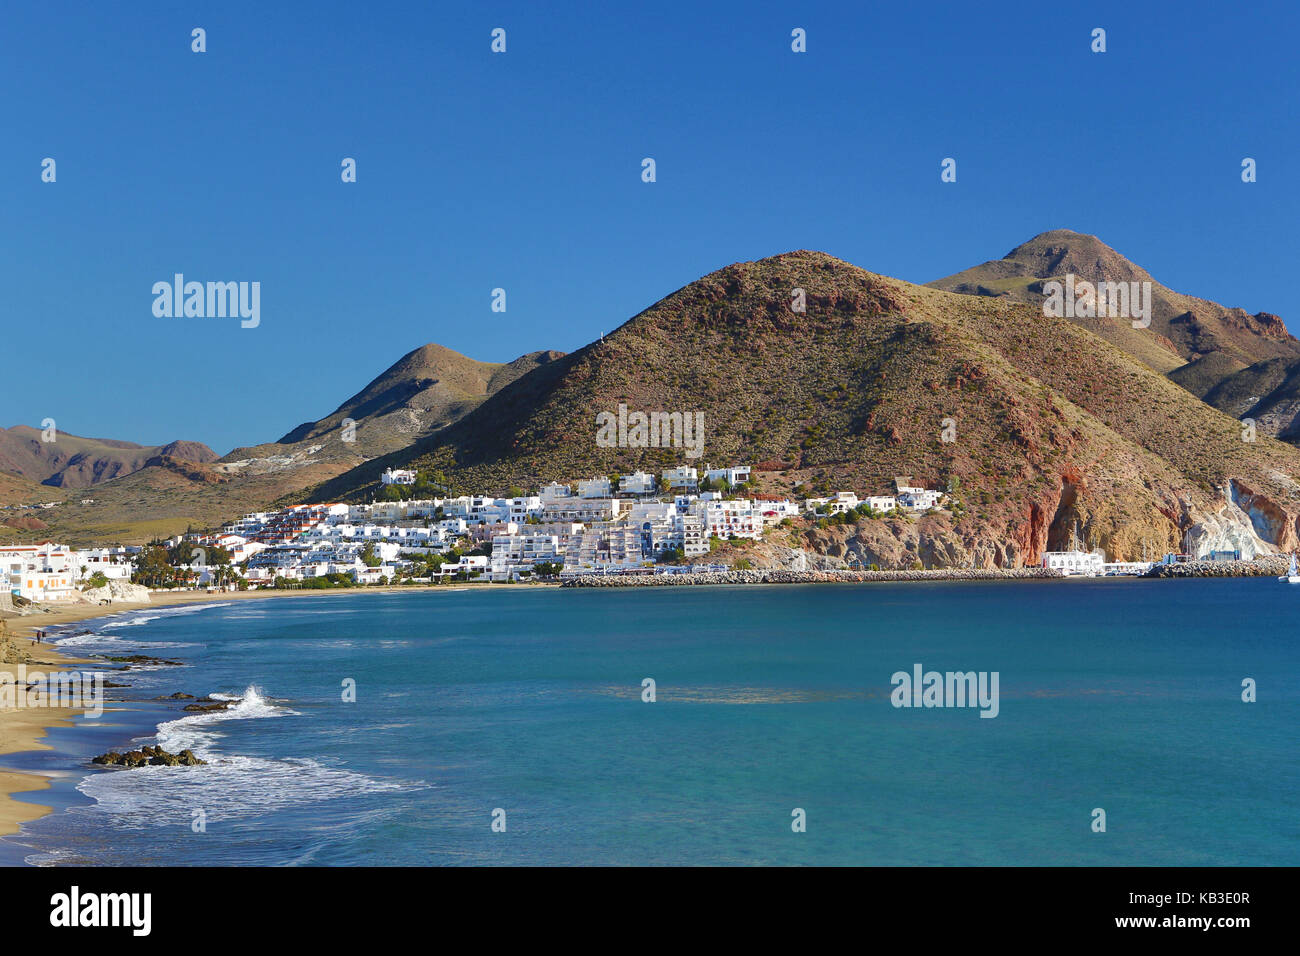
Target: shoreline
[[23, 730], [776, 576]]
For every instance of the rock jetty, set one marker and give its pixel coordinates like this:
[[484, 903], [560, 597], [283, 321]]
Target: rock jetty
[[1272, 566], [777, 576]]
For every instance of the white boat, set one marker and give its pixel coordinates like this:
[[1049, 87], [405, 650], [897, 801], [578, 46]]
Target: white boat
[[1292, 576]]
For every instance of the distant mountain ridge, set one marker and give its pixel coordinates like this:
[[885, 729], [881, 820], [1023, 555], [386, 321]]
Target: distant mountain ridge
[[1245, 365], [167, 489], [425, 390], [72, 461]]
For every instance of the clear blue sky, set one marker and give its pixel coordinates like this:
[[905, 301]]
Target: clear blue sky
[[522, 171]]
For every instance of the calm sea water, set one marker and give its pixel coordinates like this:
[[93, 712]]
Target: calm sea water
[[1119, 694]]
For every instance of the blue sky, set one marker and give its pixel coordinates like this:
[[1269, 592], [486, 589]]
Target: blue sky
[[522, 171]]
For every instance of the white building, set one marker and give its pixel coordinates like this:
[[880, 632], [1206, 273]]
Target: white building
[[637, 483], [918, 499], [733, 476], [554, 492], [1075, 563], [584, 510], [843, 501], [397, 477], [595, 488], [730, 519], [774, 512], [113, 563], [521, 509], [514, 553], [682, 477], [40, 572], [882, 503], [605, 549]]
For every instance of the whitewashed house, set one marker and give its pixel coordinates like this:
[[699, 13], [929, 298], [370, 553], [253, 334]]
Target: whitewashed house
[[683, 477], [595, 488], [40, 572], [736, 475], [637, 483], [554, 492], [397, 476]]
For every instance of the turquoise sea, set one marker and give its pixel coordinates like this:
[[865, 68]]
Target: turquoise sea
[[1123, 695]]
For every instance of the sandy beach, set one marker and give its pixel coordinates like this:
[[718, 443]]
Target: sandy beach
[[23, 729]]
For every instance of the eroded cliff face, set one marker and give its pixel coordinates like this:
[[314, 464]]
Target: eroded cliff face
[[1129, 517], [1274, 522]]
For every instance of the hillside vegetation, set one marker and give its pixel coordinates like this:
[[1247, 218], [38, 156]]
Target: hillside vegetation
[[1054, 425]]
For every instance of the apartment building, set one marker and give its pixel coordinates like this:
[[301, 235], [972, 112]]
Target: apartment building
[[637, 483], [39, 572], [683, 478]]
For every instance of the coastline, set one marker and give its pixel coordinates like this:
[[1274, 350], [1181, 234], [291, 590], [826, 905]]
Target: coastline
[[775, 576], [23, 730]]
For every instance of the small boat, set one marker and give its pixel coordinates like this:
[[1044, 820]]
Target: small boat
[[1292, 576]]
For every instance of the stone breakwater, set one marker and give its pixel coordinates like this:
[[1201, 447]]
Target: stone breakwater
[[1261, 567], [776, 576]]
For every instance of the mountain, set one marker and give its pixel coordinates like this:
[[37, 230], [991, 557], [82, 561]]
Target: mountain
[[1054, 426], [70, 461], [1266, 393], [425, 390], [1183, 328], [1245, 365], [173, 487]]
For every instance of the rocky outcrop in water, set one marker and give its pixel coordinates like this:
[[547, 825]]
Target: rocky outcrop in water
[[148, 757], [129, 660], [206, 704]]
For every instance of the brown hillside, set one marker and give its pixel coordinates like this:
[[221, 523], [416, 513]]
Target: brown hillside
[[1183, 328], [1055, 426], [71, 461]]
